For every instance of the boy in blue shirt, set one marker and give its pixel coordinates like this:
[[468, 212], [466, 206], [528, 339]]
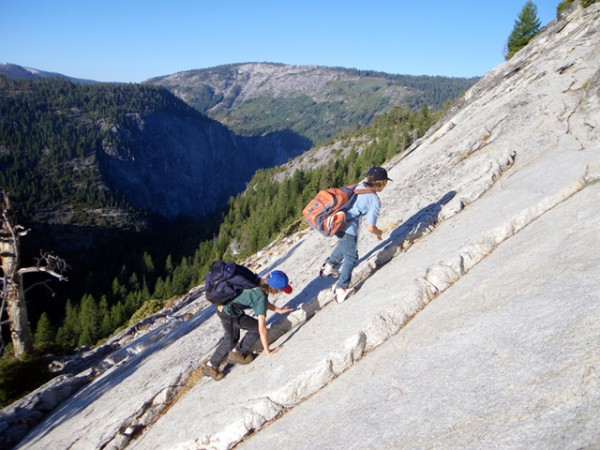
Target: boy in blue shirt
[[233, 318], [344, 257]]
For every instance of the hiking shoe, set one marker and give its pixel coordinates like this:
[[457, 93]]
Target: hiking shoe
[[213, 372], [341, 294], [240, 358], [327, 270]]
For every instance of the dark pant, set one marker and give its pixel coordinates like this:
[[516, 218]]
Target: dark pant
[[232, 327]]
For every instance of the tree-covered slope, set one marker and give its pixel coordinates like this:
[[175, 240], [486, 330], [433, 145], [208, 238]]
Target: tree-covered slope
[[87, 154], [51, 133], [314, 102]]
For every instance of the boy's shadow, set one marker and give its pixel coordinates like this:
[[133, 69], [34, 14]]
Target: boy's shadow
[[414, 227]]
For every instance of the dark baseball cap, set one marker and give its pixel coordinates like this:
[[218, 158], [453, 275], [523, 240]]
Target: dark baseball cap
[[377, 173]]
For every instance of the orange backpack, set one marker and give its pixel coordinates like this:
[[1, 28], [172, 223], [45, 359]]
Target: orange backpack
[[325, 213]]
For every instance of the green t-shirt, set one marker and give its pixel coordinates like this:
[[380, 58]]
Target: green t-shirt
[[249, 298]]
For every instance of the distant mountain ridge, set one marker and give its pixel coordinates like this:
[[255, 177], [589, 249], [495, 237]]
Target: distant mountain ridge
[[16, 71], [313, 101]]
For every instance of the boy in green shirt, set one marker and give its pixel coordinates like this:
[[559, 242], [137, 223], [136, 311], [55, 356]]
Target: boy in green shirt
[[233, 318]]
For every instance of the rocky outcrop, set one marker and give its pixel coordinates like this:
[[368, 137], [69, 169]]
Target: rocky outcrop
[[87, 365], [242, 82]]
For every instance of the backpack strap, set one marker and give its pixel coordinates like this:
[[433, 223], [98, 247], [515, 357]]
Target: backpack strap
[[365, 191], [362, 191], [358, 192]]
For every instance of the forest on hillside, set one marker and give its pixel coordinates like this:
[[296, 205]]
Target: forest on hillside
[[51, 133]]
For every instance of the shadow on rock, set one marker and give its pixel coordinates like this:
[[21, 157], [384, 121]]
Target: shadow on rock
[[411, 230]]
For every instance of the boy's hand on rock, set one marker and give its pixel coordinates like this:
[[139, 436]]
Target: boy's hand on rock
[[284, 310], [275, 350]]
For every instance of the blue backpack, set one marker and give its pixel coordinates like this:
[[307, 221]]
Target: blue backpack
[[227, 280]]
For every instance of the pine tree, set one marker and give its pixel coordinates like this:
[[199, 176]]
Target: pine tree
[[168, 288], [134, 282], [526, 27], [68, 333], [117, 290], [44, 333], [104, 313], [169, 266], [133, 302], [117, 315], [148, 271], [159, 289], [90, 321]]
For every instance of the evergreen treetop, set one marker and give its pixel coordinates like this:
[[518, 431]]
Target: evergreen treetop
[[526, 27]]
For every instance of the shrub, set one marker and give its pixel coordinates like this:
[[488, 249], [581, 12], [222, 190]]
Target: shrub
[[19, 377], [147, 309], [562, 6]]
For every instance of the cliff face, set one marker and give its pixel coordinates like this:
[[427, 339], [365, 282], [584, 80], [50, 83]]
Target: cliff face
[[187, 164], [475, 323]]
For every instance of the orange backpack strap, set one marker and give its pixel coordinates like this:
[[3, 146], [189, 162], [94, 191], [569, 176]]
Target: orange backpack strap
[[362, 191]]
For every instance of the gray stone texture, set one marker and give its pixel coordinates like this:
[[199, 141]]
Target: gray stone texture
[[476, 321]]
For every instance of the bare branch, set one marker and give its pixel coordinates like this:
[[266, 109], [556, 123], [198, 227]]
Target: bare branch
[[21, 231], [52, 262], [50, 272], [46, 284], [48, 263]]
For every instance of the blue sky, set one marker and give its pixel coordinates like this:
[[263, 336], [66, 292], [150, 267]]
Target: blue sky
[[133, 40]]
